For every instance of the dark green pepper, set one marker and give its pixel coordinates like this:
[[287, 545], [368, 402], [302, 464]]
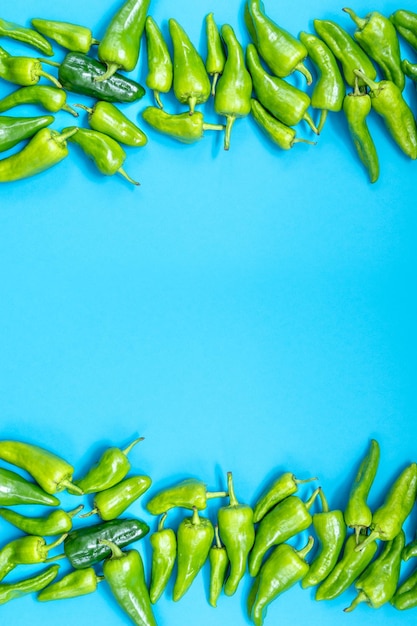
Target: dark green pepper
[[234, 89], [79, 72], [283, 486], [194, 538], [182, 127], [284, 137], [83, 546], [358, 514], [376, 34], [160, 69], [237, 531], [219, 562], [73, 585], [112, 502], [188, 493], [56, 523], [70, 36], [20, 588], [286, 519], [405, 596], [13, 130], [51, 98], [25, 35], [378, 583], [216, 57], [17, 490], [405, 23], [164, 553], [125, 575], [108, 119], [23, 71], [26, 550]]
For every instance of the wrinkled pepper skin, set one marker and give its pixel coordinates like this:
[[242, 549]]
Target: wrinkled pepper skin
[[237, 531], [164, 555], [188, 493], [234, 89], [286, 484], [358, 514], [108, 119], [184, 128], [70, 36], [14, 130], [219, 562], [112, 502], [160, 68], [84, 548], [125, 575], [26, 550], [56, 523], [282, 570], [191, 82], [25, 35], [285, 520], [377, 36], [73, 585], [284, 137], [378, 583], [194, 539], [51, 98], [14, 590], [405, 596], [349, 567], [405, 23], [216, 56], [17, 490]]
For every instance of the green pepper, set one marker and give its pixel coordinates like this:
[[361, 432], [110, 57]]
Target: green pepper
[[234, 89], [182, 127], [113, 465], [388, 519], [405, 23], [286, 519], [219, 562], [70, 36], [78, 72], [282, 99], [409, 69], [26, 550], [191, 82], [330, 529], [23, 71], [83, 546], [378, 583], [108, 119], [125, 575], [50, 471], [283, 485], [329, 89], [405, 596], [17, 490], [25, 35], [194, 538], [20, 588], [160, 69], [281, 51], [73, 585], [56, 523], [51, 98], [13, 130], [346, 50], [285, 567], [164, 553], [216, 57], [357, 106], [282, 135], [237, 531], [376, 34], [188, 493], [358, 515], [112, 502], [347, 569], [410, 550]]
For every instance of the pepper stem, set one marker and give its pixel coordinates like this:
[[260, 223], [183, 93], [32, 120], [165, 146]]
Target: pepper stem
[[75, 511], [216, 494], [125, 175], [56, 543], [361, 597], [303, 481], [230, 120], [369, 539], [67, 483], [192, 101], [373, 85], [216, 76], [66, 107], [116, 552], [53, 80], [232, 496], [311, 143], [359, 21], [90, 513], [323, 118], [195, 520], [158, 99], [84, 107], [162, 521], [304, 551], [218, 543], [49, 62], [324, 503], [213, 126], [307, 117], [52, 559], [131, 445], [111, 69], [309, 502], [305, 72]]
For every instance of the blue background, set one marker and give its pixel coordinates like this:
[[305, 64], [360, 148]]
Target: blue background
[[251, 311]]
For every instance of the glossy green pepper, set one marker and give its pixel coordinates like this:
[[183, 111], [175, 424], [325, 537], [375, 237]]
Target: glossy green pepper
[[329, 88], [182, 127], [216, 56], [405, 23], [286, 519], [23, 71], [283, 100], [56, 523], [164, 553], [17, 490], [405, 596], [26, 550], [377, 584], [357, 106], [112, 502], [376, 34], [358, 514], [280, 134], [188, 493], [50, 471], [160, 68], [281, 51], [234, 89], [51, 98], [125, 575], [108, 119], [285, 567], [219, 563], [330, 530], [70, 36], [20, 588], [119, 47], [191, 82], [194, 539], [25, 35], [284, 485], [237, 531], [349, 567], [73, 585], [13, 130]]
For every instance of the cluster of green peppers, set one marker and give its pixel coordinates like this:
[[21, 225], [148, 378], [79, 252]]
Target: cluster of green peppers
[[241, 82], [356, 546]]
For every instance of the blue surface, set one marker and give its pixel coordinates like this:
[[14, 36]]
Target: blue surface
[[251, 311]]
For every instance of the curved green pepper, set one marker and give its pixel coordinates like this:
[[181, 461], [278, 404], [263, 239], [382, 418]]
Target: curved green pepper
[[70, 36], [51, 98], [26, 550], [17, 490], [237, 531], [20, 588], [405, 23], [73, 585], [160, 69], [219, 562], [284, 137], [358, 515], [25, 35], [188, 493], [164, 554], [13, 130], [405, 596], [283, 486], [56, 523], [216, 57], [191, 82], [194, 538], [108, 119], [23, 71], [182, 127], [234, 89], [410, 550], [112, 502]]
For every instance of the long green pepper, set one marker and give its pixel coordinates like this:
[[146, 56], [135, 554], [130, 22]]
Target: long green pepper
[[358, 514], [160, 68], [216, 56]]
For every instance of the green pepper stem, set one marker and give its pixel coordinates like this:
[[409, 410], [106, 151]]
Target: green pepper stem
[[158, 99], [359, 21], [300, 67], [67, 483], [75, 511], [53, 80], [303, 481], [95, 42], [214, 83], [131, 445], [52, 559], [134, 182], [213, 126], [56, 543], [69, 109], [361, 597], [231, 489], [84, 107], [195, 520], [216, 494], [307, 117], [218, 543], [322, 120], [90, 513], [162, 521], [111, 69], [49, 62], [309, 502], [373, 85], [116, 552], [192, 101], [230, 120], [324, 503], [304, 551], [373, 536]]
